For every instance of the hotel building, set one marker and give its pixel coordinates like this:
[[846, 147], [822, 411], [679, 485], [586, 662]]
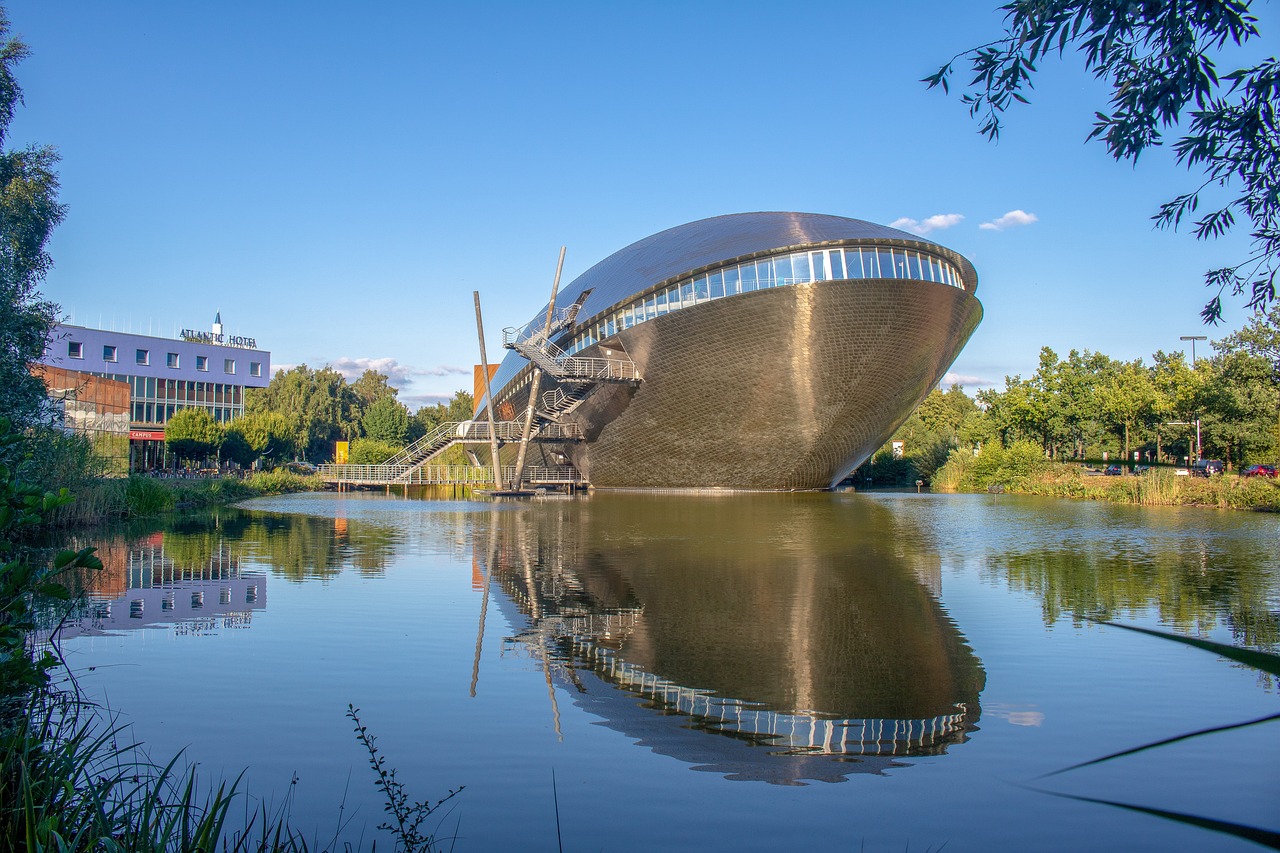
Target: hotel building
[[157, 376]]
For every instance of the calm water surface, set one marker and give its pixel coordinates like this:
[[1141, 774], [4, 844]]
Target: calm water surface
[[825, 672]]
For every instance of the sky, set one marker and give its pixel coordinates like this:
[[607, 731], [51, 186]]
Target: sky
[[337, 180]]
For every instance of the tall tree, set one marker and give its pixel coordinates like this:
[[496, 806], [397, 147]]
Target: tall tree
[[1158, 57], [387, 421], [319, 405], [1128, 398], [192, 434], [371, 387], [29, 211]]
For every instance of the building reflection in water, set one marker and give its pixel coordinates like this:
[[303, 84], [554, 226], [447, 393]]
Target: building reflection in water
[[142, 584], [764, 637]]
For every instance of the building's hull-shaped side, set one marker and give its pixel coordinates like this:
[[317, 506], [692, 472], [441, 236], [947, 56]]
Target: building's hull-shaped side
[[772, 351], [788, 388]]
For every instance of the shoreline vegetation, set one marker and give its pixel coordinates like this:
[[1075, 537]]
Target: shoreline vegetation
[[71, 777], [99, 500], [1023, 469]]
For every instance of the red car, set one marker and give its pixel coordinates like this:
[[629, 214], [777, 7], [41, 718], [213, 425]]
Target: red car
[[1259, 471]]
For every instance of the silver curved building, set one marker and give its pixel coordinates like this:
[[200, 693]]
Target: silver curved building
[[770, 351]]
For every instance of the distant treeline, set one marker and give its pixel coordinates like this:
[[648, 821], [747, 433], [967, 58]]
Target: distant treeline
[[1089, 405]]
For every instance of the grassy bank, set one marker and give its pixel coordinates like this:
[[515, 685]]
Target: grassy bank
[[108, 499], [1023, 469]]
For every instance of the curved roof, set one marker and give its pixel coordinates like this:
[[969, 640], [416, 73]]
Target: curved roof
[[684, 249]]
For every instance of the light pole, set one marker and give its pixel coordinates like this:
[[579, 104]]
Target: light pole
[[1193, 339]]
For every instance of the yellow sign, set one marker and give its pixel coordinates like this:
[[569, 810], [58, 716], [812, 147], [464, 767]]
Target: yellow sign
[[340, 453]]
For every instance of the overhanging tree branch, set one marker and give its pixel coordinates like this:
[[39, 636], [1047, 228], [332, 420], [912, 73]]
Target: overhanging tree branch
[[1158, 58]]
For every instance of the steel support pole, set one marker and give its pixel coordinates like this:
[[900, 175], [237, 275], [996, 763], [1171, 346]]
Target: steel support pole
[[488, 394], [536, 385]]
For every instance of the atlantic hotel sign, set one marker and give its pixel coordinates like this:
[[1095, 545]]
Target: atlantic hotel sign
[[197, 337]]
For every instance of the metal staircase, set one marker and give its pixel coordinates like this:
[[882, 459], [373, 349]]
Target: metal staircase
[[560, 402]]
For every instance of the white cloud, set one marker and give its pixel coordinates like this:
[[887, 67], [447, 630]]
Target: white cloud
[[417, 401], [937, 222], [967, 380], [1009, 220], [398, 375]]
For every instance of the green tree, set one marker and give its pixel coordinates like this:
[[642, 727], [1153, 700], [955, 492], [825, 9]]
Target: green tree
[[1128, 398], [267, 433], [192, 434], [1179, 390], [1158, 58], [29, 211], [319, 406], [371, 387], [1239, 416], [386, 420]]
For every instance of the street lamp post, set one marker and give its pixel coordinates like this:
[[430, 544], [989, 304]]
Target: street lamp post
[[1193, 339]]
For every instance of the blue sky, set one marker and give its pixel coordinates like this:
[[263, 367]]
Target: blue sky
[[337, 180]]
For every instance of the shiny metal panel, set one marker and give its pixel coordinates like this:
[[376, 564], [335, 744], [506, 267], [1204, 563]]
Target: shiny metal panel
[[784, 389], [684, 249]]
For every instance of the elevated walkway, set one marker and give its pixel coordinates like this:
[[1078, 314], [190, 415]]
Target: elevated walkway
[[409, 465], [570, 368], [444, 475]]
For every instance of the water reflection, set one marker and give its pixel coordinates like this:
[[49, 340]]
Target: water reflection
[[1196, 569], [774, 638], [162, 578]]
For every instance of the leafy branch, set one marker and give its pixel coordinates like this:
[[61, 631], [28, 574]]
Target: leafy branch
[[407, 816], [1156, 56]]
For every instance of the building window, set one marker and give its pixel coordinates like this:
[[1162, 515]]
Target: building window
[[255, 368], [108, 352], [229, 366], [75, 349], [202, 363], [142, 356], [171, 360]]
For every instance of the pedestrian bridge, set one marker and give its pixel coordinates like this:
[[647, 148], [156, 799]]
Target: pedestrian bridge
[[413, 465], [445, 475]]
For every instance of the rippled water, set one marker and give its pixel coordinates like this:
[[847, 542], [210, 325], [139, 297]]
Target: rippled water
[[815, 671]]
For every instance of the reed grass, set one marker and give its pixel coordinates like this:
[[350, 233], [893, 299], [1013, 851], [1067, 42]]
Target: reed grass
[[993, 468]]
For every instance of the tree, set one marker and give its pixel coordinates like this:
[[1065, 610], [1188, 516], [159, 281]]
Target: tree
[[386, 421], [1128, 398], [319, 406], [192, 434], [29, 211], [269, 433], [371, 387], [1158, 57]]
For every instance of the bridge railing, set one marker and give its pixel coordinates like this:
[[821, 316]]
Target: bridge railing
[[445, 474]]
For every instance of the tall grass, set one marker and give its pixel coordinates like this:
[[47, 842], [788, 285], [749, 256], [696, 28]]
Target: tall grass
[[1024, 470], [70, 782]]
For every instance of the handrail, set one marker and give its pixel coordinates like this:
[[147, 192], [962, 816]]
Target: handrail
[[443, 474], [560, 364]]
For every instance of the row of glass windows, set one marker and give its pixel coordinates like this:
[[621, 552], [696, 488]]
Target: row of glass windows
[[184, 391], [75, 349], [159, 413], [778, 271], [155, 400]]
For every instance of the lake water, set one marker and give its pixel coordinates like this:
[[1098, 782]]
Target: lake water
[[707, 672]]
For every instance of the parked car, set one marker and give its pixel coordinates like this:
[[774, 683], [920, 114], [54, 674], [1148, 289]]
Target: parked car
[[1259, 471], [1207, 467], [1113, 471]]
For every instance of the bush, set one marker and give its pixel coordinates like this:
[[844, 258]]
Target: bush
[[371, 451], [146, 496]]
